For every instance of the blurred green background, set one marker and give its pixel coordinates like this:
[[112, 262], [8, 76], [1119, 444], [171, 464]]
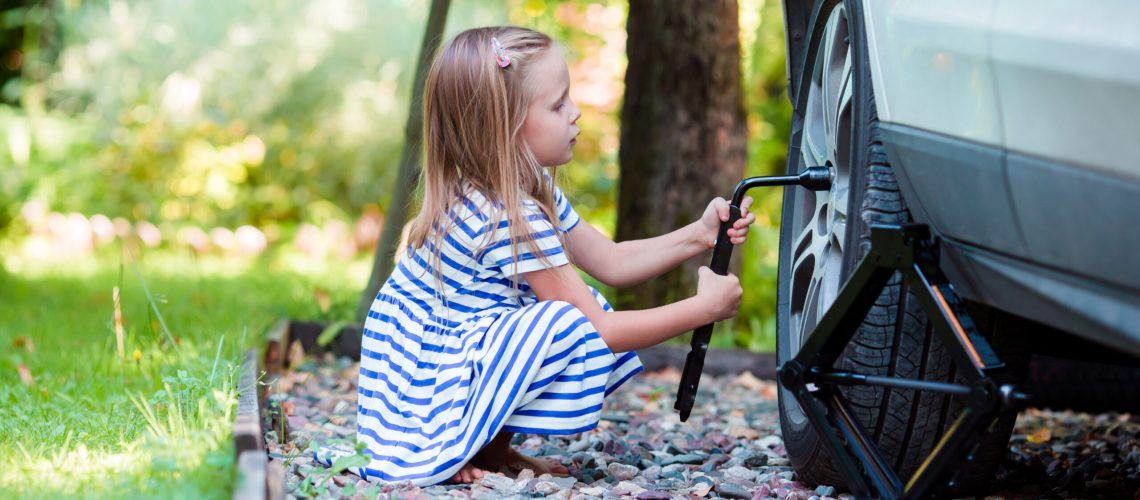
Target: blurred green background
[[232, 127]]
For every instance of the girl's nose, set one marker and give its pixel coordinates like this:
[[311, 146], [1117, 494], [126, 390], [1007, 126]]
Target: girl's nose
[[577, 112]]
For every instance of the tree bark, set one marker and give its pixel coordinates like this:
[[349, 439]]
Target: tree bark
[[683, 130], [407, 178]]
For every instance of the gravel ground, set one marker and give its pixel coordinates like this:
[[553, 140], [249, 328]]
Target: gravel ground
[[730, 447]]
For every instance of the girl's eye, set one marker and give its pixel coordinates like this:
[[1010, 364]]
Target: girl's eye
[[561, 104]]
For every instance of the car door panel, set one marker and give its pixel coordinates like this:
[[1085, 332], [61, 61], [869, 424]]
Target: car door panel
[[929, 66]]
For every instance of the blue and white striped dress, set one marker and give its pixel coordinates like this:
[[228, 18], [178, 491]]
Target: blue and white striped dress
[[439, 380]]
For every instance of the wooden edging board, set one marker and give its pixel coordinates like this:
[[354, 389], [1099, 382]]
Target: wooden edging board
[[257, 479]]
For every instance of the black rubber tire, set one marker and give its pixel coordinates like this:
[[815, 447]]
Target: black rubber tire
[[896, 338]]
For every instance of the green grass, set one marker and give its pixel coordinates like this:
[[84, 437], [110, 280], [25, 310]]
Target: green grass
[[95, 424]]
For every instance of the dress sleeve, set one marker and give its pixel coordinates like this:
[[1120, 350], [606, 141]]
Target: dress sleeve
[[567, 216], [498, 253]]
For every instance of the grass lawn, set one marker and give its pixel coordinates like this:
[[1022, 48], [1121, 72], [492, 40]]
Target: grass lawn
[[76, 419]]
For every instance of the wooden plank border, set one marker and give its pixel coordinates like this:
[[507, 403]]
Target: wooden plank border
[[258, 478]]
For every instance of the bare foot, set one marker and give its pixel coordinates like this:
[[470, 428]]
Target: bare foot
[[515, 462], [468, 474]]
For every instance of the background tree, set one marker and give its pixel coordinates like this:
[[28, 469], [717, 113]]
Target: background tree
[[683, 131], [407, 178]]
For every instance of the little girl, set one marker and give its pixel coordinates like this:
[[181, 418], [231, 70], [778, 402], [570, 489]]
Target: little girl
[[484, 328]]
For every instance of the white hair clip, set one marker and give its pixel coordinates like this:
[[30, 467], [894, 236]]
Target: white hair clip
[[500, 53]]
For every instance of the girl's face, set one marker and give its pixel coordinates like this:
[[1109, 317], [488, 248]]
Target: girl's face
[[550, 126]]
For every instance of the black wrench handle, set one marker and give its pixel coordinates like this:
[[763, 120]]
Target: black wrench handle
[[811, 178], [695, 361]]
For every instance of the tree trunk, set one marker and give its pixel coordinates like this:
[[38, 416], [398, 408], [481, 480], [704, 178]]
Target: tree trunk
[[408, 176], [683, 131], [11, 51]]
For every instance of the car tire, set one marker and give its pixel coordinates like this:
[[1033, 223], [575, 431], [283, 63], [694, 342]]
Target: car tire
[[820, 247]]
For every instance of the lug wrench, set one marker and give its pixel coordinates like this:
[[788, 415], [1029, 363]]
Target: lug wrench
[[812, 178]]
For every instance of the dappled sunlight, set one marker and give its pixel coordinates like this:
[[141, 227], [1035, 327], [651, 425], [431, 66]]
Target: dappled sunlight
[[140, 466], [80, 464]]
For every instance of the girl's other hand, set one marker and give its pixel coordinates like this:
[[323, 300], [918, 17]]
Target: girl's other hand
[[717, 212], [720, 293]]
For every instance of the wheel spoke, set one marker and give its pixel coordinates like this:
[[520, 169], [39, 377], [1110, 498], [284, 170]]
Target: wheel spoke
[[811, 312], [840, 202], [845, 90], [839, 234], [807, 234], [825, 71], [840, 113], [834, 50], [815, 152]]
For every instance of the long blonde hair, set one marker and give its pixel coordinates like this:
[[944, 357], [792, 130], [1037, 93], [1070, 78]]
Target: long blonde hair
[[473, 117]]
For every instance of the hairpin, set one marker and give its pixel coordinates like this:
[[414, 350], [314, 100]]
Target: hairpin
[[500, 53]]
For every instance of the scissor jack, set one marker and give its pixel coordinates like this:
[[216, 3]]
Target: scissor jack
[[814, 381]]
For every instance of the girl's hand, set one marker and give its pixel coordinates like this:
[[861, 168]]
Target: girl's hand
[[717, 212], [721, 294]]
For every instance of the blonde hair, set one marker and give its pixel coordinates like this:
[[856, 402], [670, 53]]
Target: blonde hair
[[473, 117]]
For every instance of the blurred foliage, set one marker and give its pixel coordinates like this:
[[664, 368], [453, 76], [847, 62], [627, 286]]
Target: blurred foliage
[[274, 113], [252, 111]]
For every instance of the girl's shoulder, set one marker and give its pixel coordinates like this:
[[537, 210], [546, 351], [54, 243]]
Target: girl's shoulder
[[472, 212]]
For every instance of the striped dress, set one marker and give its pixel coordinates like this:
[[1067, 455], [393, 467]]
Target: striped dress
[[438, 380]]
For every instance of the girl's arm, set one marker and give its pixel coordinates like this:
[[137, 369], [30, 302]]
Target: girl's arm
[[635, 261], [717, 298]]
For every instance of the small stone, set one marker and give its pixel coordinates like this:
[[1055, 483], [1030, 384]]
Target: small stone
[[825, 491], [738, 431], [622, 472], [579, 445], [651, 472], [688, 458], [733, 490], [565, 483], [592, 491], [545, 487], [654, 495], [497, 482], [297, 422], [627, 488], [770, 442], [615, 417], [583, 459], [700, 489], [593, 474], [756, 460], [740, 473]]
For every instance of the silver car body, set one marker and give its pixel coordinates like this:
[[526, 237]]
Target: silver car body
[[1014, 130]]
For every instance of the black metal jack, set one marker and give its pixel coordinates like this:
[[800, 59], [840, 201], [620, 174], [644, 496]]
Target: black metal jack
[[813, 380]]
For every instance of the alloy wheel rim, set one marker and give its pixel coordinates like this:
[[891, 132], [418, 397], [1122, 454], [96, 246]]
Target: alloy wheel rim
[[820, 217]]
